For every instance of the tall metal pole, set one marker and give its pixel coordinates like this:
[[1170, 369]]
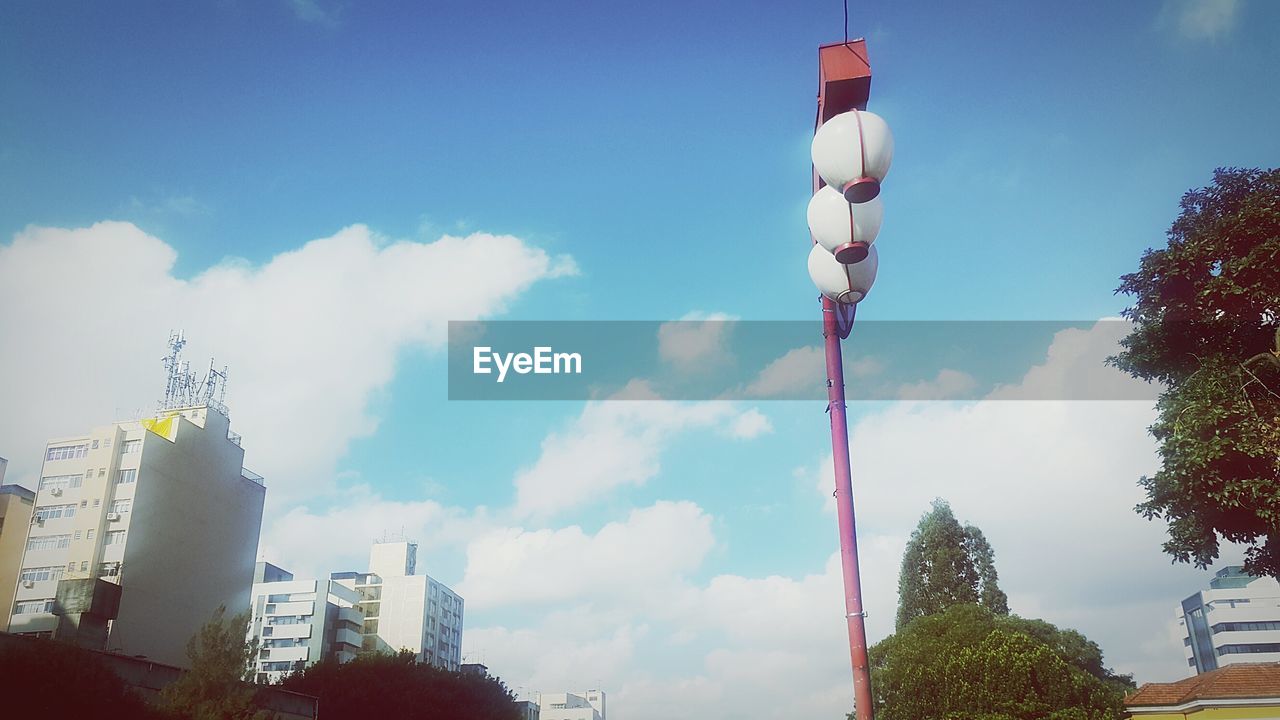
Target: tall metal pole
[[844, 510], [844, 84]]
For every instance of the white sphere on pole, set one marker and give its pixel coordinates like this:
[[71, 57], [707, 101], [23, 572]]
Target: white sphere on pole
[[852, 152], [845, 230], [845, 284]]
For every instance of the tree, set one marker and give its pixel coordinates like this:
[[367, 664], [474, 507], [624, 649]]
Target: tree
[[383, 685], [50, 678], [1206, 317], [968, 662], [944, 565], [218, 685]]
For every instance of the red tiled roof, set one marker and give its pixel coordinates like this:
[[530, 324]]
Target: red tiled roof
[[1233, 682]]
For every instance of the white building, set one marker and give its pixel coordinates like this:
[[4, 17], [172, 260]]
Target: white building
[[163, 511], [588, 705], [405, 611], [1237, 620], [301, 622]]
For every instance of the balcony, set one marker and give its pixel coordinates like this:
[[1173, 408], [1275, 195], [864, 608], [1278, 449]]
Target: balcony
[[252, 476]]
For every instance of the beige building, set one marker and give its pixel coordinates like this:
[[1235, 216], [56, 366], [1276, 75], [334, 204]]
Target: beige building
[[301, 622], [16, 503], [406, 611], [161, 508]]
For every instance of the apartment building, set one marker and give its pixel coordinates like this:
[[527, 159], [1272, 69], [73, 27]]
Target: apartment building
[[301, 622], [589, 705], [141, 529], [1236, 620], [406, 611], [16, 506]]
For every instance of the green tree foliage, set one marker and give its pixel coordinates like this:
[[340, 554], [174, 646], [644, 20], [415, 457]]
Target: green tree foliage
[[217, 687], [51, 679], [968, 662], [394, 686], [946, 564], [1206, 317]]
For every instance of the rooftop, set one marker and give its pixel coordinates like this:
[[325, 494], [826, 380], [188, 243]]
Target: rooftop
[[1233, 682]]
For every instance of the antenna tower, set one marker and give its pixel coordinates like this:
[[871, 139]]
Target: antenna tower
[[184, 388]]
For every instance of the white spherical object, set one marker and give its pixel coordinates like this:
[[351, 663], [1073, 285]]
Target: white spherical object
[[845, 284], [845, 230], [852, 152]]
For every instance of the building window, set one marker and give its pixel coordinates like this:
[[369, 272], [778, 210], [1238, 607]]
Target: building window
[[53, 512], [94, 446], [106, 443], [287, 620], [39, 574], [77, 537], [61, 482], [108, 569], [48, 542], [131, 446], [102, 472], [97, 502], [1245, 626], [88, 534], [127, 476], [1249, 648], [121, 506], [29, 607], [113, 537], [84, 566], [67, 452]]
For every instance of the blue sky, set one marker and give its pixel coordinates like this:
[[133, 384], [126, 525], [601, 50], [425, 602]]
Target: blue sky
[[660, 152]]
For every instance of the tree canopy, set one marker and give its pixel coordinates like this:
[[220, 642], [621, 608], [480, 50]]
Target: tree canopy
[[1206, 316], [383, 685], [946, 564], [217, 686], [50, 678], [968, 662]]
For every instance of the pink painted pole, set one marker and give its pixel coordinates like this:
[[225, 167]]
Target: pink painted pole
[[844, 509]]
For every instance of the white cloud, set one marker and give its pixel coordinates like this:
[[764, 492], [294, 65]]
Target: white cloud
[[792, 374], [309, 336], [947, 384], [698, 342], [313, 543], [1075, 368], [615, 444], [1200, 19], [802, 372], [642, 556], [750, 424], [313, 12]]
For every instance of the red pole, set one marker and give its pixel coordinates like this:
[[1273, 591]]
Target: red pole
[[844, 509]]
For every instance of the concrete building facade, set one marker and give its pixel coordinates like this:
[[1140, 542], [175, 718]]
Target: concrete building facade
[[301, 622], [588, 705], [16, 506], [1236, 620], [161, 508], [406, 611]]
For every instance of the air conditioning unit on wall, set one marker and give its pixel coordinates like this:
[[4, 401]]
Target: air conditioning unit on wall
[[28, 583], [113, 516], [55, 491]]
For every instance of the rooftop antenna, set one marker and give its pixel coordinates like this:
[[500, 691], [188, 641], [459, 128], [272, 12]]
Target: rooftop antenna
[[183, 388]]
